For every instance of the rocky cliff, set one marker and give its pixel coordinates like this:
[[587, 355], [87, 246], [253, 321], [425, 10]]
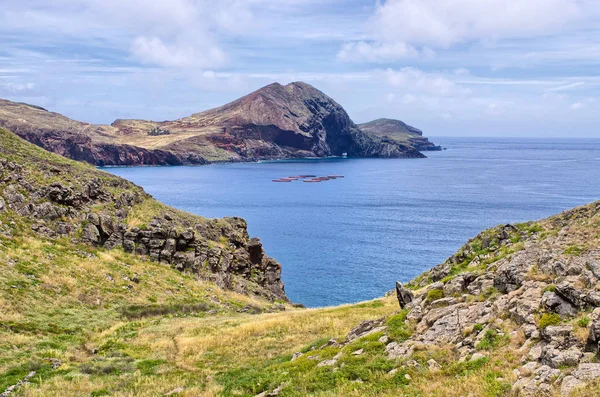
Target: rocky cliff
[[400, 133], [534, 288], [275, 122], [59, 198]]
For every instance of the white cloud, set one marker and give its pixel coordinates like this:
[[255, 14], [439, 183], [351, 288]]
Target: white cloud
[[434, 24], [576, 106], [152, 50], [375, 52], [171, 33], [419, 81]]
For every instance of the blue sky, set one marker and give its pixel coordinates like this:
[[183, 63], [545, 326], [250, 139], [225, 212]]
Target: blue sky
[[449, 67]]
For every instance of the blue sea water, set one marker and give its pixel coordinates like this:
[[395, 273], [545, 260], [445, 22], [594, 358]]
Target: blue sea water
[[350, 239]]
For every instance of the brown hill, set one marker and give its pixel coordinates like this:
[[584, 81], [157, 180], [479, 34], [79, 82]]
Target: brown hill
[[274, 122]]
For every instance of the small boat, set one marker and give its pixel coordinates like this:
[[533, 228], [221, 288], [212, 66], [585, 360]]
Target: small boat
[[311, 180], [308, 176], [344, 155], [335, 176], [281, 180]]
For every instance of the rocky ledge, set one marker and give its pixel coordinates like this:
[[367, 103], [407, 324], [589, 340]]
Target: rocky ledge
[[531, 289], [59, 198]]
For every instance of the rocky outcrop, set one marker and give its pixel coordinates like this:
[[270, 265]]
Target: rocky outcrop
[[399, 132], [531, 289], [63, 198], [274, 122]]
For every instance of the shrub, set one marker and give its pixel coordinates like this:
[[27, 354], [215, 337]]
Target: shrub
[[434, 294], [490, 340], [549, 288], [548, 319], [574, 250], [583, 322]]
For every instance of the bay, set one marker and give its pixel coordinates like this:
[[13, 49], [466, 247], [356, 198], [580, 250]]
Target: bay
[[350, 239]]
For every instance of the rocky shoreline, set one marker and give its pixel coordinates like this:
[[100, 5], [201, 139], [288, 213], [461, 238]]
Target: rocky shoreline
[[60, 200], [275, 122]]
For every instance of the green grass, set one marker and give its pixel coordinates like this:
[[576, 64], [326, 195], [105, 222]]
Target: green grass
[[398, 330], [434, 294], [575, 250]]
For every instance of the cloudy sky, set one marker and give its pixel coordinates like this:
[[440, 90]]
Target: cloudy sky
[[450, 67]]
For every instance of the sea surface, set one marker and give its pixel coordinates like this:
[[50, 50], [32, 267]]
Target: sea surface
[[350, 239]]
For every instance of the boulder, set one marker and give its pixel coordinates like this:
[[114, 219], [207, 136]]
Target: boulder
[[587, 371], [556, 304], [433, 365], [91, 234], [404, 295], [2, 204], [569, 385], [511, 272], [557, 358], [477, 356], [593, 341], [365, 328], [399, 350], [571, 294]]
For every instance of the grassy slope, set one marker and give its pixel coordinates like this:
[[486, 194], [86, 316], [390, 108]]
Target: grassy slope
[[115, 336]]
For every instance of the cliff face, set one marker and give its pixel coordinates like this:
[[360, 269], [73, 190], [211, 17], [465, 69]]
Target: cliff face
[[275, 122], [399, 132], [60, 198], [531, 289]]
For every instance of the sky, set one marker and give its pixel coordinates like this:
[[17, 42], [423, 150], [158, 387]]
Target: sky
[[514, 68]]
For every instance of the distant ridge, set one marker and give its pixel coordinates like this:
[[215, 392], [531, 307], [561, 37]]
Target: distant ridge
[[399, 132], [274, 122]]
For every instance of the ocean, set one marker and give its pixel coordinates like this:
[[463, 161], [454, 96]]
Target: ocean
[[350, 239]]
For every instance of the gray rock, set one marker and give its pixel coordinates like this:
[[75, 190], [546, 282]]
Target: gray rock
[[296, 356], [571, 294], [454, 286], [593, 341], [129, 245], [556, 358], [399, 350], [365, 328], [569, 385], [327, 363], [477, 356], [433, 365], [560, 336], [404, 295], [587, 371], [511, 272], [554, 303], [415, 314], [91, 234], [2, 204]]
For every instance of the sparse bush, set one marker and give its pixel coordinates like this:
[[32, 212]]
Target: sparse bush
[[434, 295], [584, 321], [490, 340], [548, 319], [574, 250]]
